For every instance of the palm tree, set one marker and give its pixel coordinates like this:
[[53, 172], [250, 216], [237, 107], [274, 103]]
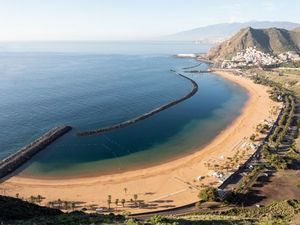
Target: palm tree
[[50, 204], [135, 197], [59, 202], [117, 202], [73, 205], [125, 190], [109, 201], [65, 204], [32, 199], [39, 198], [17, 195], [123, 202]]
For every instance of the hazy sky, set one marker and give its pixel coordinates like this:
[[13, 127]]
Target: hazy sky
[[129, 19]]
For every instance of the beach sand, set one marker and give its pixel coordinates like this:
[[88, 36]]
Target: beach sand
[[163, 186]]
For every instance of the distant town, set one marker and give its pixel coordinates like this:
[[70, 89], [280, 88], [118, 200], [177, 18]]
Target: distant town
[[252, 57]]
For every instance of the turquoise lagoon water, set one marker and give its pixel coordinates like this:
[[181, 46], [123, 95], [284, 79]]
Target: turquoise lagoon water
[[92, 84]]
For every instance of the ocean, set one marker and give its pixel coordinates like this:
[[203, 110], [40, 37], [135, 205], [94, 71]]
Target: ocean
[[88, 85]]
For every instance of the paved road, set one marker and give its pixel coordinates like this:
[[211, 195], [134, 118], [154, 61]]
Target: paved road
[[175, 211]]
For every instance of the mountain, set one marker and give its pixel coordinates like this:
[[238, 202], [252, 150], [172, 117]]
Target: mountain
[[271, 40], [297, 29], [220, 32]]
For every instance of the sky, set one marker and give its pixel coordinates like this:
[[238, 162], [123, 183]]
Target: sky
[[130, 19]]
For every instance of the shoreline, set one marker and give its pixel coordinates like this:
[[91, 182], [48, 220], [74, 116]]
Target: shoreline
[[170, 159], [179, 174]]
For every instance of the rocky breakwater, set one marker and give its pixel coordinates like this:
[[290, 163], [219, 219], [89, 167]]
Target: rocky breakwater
[[148, 114], [14, 161]]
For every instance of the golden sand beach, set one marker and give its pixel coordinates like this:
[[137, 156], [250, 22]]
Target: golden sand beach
[[167, 185]]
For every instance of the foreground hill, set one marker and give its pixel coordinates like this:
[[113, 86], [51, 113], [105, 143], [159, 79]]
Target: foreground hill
[[220, 32], [13, 209], [16, 212], [271, 40]]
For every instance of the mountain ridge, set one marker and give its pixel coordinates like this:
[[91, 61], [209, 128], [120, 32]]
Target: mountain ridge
[[270, 40], [219, 32]]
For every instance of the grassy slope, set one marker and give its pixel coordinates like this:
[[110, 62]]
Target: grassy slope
[[282, 212]]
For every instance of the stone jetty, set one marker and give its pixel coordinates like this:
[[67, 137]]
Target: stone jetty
[[148, 114], [14, 161]]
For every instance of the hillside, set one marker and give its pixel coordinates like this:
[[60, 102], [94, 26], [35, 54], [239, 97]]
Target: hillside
[[297, 29], [271, 40], [15, 212], [220, 32], [13, 209]]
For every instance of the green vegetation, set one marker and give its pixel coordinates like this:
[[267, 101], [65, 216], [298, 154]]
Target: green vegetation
[[281, 80], [285, 121], [281, 211], [208, 194], [13, 208], [246, 180], [15, 211]]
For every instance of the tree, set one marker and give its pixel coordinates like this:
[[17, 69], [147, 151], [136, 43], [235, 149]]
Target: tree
[[158, 219], [117, 202], [265, 151], [17, 195], [32, 199], [125, 190], [39, 198], [123, 202], [208, 194], [65, 204], [59, 202], [252, 137], [73, 205], [135, 197], [109, 200]]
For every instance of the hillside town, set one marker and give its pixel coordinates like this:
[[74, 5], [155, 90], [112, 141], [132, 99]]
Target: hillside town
[[251, 57]]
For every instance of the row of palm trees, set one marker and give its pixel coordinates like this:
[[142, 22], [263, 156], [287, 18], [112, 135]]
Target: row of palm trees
[[62, 204], [122, 201]]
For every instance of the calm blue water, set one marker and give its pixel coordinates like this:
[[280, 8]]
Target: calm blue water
[[90, 85]]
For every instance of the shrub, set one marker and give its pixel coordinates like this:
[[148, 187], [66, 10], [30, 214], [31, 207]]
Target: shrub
[[132, 222], [209, 194], [157, 219], [252, 137]]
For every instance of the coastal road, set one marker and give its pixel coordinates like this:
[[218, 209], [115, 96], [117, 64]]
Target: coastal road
[[175, 211]]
